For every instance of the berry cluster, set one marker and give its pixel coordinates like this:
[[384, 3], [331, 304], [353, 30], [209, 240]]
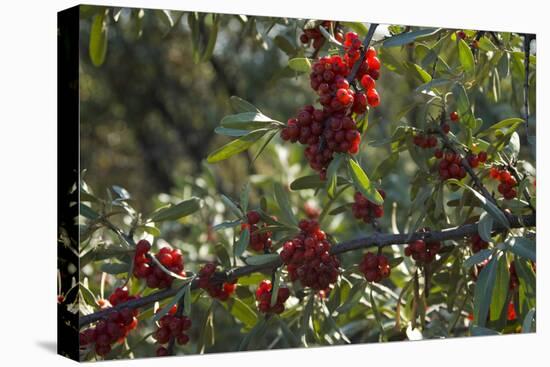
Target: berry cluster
[[450, 165], [258, 241], [314, 35], [263, 296], [507, 182], [425, 141], [478, 244], [308, 257], [114, 328], [375, 267], [332, 129], [219, 290], [365, 209], [423, 251], [155, 277], [171, 326]]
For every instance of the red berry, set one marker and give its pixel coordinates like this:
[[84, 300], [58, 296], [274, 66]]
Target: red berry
[[454, 116]]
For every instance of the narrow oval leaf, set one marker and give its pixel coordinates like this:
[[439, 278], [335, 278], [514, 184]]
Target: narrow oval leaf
[[300, 64], [500, 291], [363, 184], [484, 291], [98, 39], [246, 121], [485, 227], [465, 56], [408, 37], [241, 105], [236, 146], [283, 200], [177, 211], [163, 311], [242, 243], [307, 182], [477, 258], [522, 247], [332, 178]]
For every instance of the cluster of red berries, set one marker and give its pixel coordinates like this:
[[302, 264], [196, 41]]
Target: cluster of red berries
[[450, 165], [332, 129], [315, 36], [155, 277], [218, 290], [425, 141], [375, 267], [365, 209], [507, 182], [308, 259], [478, 244], [423, 251], [263, 296], [171, 326], [114, 328], [258, 241]]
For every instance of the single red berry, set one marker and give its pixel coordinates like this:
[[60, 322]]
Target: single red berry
[[454, 116]]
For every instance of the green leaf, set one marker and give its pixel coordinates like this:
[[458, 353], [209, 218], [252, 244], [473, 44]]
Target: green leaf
[[507, 124], [283, 201], [232, 206], [236, 146], [153, 231], [482, 331], [300, 64], [477, 258], [354, 296], [357, 27], [240, 105], [284, 44], [485, 227], [247, 121], [98, 39], [88, 212], [275, 288], [230, 132], [243, 313], [513, 147], [500, 291], [223, 255], [363, 184], [175, 212], [307, 182], [408, 37], [306, 318], [163, 311], [187, 301], [463, 106], [491, 208], [332, 177], [376, 313], [242, 243], [225, 225], [212, 37], [528, 321], [484, 291], [522, 247], [486, 44], [288, 334], [465, 56], [262, 259], [244, 196], [257, 329]]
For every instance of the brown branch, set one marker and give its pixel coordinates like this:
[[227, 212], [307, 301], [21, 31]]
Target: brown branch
[[374, 240]]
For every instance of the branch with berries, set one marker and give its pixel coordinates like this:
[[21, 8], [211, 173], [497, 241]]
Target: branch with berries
[[375, 240]]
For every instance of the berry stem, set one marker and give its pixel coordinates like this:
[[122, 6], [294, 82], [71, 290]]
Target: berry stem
[[374, 240]]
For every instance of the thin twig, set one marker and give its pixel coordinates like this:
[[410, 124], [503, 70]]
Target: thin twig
[[374, 240], [366, 43]]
